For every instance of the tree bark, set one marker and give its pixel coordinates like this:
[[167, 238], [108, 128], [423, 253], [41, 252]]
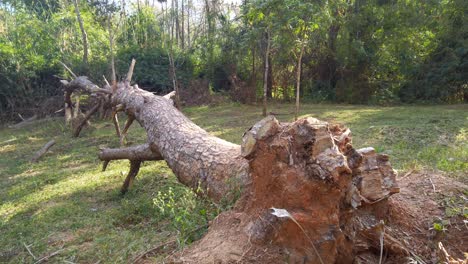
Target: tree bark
[[198, 159]]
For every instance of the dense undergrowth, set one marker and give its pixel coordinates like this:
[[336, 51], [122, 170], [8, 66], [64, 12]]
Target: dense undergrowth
[[66, 203]]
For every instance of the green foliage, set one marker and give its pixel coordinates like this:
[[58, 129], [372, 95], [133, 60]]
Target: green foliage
[[188, 213], [442, 77], [378, 52], [152, 71]]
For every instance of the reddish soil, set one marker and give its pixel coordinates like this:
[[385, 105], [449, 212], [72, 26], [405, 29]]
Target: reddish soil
[[423, 200], [342, 203]]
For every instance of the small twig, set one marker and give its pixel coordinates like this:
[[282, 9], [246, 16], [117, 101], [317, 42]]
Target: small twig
[[20, 116], [245, 252], [30, 253], [48, 256], [433, 186], [165, 244], [407, 174], [418, 258], [381, 241]]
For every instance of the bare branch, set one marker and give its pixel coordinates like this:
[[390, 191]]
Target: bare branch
[[83, 83], [68, 69], [85, 119], [128, 123], [115, 120], [132, 173], [23, 123], [140, 152], [43, 150], [105, 80], [130, 70]]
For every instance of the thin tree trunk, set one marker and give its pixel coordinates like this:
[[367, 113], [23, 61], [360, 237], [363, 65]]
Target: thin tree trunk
[[270, 78], [182, 36], [84, 35], [177, 29], [111, 46], [172, 20], [265, 79], [174, 79], [298, 81], [254, 74], [189, 4]]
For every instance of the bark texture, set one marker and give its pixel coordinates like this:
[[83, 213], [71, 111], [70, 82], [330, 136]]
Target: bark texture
[[197, 158]]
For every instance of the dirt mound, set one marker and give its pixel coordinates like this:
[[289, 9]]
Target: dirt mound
[[428, 210]]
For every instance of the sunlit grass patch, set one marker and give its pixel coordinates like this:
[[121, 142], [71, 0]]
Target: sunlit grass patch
[[66, 202]]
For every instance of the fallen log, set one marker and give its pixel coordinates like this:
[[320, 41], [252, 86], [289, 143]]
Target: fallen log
[[24, 122], [42, 151], [335, 195]]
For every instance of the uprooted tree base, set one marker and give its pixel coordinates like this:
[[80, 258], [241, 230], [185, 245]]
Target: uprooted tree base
[[331, 201]]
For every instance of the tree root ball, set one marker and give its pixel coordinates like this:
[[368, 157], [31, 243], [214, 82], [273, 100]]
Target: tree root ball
[[332, 199]]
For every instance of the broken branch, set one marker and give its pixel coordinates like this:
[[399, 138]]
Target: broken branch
[[130, 71], [140, 152], [85, 119], [68, 69], [43, 150], [23, 123]]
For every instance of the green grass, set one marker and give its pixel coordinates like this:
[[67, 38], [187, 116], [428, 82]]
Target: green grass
[[66, 202]]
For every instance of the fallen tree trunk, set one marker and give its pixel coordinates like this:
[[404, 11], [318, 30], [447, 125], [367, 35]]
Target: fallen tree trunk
[[24, 122], [197, 158], [332, 197]]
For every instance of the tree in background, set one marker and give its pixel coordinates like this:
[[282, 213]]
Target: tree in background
[[360, 51]]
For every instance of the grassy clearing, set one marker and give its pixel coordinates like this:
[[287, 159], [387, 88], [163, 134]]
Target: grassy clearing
[[66, 203]]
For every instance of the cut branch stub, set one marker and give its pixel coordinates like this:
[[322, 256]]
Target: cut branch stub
[[136, 155], [140, 152]]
